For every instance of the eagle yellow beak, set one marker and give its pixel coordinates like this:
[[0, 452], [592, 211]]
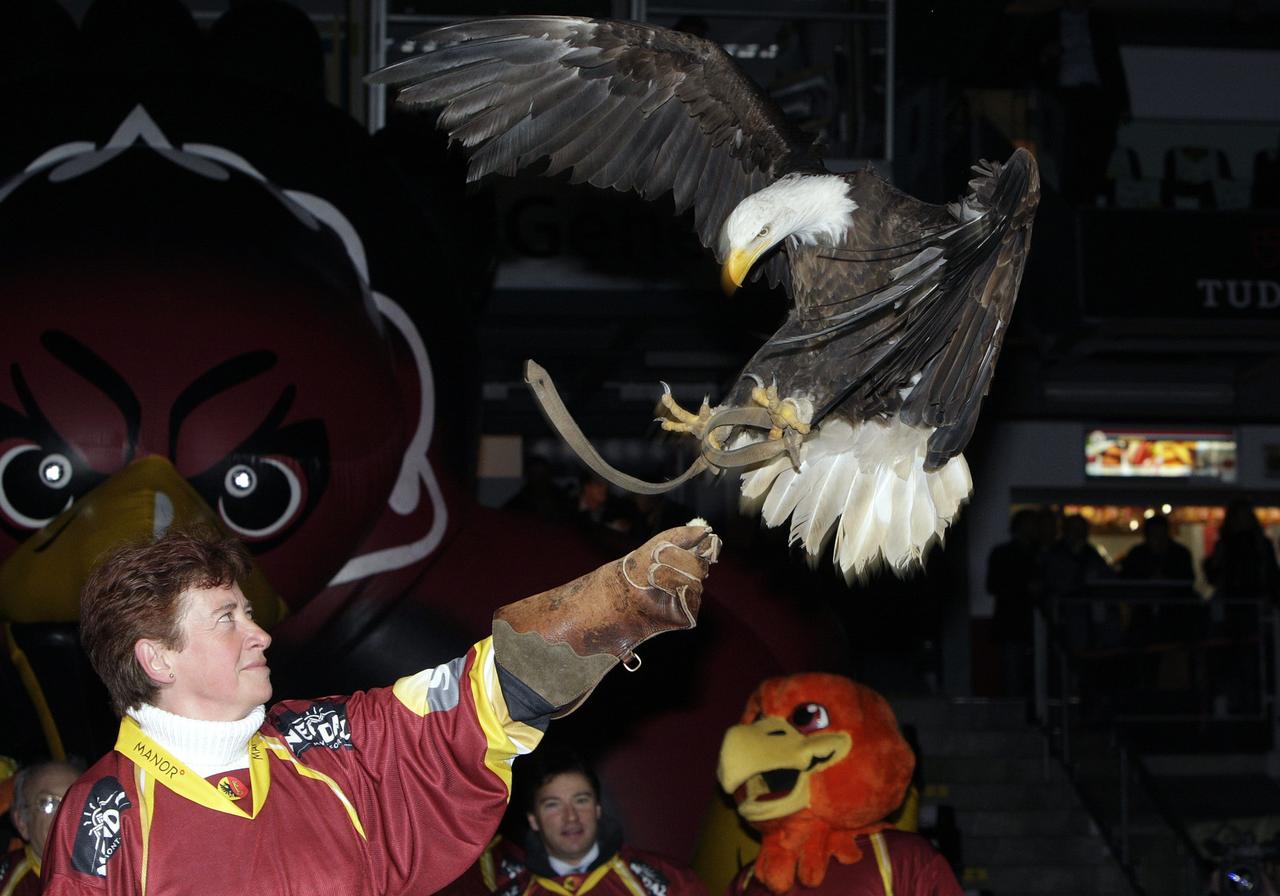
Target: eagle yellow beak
[[738, 264]]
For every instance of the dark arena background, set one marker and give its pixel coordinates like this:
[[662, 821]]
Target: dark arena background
[[233, 269]]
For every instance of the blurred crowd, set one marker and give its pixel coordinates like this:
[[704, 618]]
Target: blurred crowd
[[1139, 610]]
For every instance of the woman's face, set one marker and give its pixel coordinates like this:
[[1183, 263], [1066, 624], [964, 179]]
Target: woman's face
[[221, 673]]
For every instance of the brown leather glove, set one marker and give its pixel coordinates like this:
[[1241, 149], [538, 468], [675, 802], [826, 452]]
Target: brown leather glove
[[560, 643]]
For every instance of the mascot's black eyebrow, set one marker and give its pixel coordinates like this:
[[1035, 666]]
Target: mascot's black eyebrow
[[101, 375], [224, 376]]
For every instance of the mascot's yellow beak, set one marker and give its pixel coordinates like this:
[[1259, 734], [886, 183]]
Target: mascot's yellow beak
[[766, 766], [738, 265], [41, 581]]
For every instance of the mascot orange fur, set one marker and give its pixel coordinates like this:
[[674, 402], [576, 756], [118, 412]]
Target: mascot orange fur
[[816, 765]]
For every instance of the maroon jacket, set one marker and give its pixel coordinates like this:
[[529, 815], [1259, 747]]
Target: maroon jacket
[[507, 870], [394, 790], [917, 869]]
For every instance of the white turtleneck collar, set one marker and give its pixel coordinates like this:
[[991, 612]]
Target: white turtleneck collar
[[206, 747]]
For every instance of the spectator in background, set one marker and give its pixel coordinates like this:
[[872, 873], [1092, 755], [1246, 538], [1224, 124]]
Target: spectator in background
[[1243, 561], [1047, 526], [1072, 562], [646, 514], [598, 508], [37, 792], [1158, 556], [1013, 580], [571, 846], [1068, 567], [1241, 565], [541, 494]]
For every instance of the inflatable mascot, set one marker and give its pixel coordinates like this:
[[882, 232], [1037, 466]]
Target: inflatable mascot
[[815, 765]]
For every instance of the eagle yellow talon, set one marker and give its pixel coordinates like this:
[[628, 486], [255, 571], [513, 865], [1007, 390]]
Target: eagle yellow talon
[[785, 412], [686, 421]]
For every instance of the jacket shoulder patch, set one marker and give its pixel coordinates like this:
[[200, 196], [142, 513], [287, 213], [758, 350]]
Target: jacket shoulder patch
[[98, 834], [654, 881], [322, 724]]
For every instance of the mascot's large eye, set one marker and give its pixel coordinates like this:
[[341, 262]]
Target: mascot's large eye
[[810, 717], [34, 485], [261, 496]]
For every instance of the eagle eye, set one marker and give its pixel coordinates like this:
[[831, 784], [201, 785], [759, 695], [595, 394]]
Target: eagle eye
[[764, 231], [810, 717]]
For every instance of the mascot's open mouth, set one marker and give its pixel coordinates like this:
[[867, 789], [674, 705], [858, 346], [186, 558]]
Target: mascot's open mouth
[[771, 785], [775, 783]]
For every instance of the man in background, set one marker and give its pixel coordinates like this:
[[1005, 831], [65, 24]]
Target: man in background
[[37, 792], [572, 846]]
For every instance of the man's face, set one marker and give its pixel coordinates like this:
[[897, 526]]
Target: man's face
[[43, 794], [566, 815], [221, 673]]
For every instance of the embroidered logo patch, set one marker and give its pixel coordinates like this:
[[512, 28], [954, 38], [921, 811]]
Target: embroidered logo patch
[[509, 880], [232, 787], [98, 836], [510, 868], [653, 880], [322, 724]]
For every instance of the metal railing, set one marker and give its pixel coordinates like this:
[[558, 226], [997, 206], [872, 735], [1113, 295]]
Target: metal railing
[[1089, 699]]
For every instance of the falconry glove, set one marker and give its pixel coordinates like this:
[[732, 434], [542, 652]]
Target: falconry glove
[[560, 643]]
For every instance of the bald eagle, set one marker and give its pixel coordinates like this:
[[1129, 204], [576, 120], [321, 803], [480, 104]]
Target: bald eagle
[[849, 421]]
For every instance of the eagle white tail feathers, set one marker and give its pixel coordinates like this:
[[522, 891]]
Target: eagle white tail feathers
[[865, 483]]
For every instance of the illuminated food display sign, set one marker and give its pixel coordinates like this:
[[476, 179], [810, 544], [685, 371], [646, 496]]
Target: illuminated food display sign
[[1181, 454]]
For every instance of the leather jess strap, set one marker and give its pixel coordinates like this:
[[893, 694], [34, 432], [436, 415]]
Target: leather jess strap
[[709, 458]]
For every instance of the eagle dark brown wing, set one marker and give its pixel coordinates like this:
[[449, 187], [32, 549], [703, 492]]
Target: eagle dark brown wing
[[908, 316], [620, 104]]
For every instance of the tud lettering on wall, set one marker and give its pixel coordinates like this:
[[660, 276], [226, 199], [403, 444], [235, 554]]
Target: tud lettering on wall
[[1171, 265]]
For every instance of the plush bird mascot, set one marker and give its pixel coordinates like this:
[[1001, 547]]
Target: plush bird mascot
[[815, 765]]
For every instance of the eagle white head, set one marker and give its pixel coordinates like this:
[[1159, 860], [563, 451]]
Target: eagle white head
[[810, 209]]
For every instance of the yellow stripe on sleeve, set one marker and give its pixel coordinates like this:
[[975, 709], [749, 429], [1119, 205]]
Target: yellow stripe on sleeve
[[505, 738], [624, 873], [282, 753]]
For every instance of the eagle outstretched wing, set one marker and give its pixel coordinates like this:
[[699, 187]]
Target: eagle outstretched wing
[[908, 316], [619, 104], [851, 418]]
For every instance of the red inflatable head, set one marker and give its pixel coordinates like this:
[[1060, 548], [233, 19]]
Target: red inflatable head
[[171, 304]]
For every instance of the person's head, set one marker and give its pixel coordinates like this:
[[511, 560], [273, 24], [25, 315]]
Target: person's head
[[1156, 532], [165, 623], [593, 493], [1024, 525], [562, 805], [1047, 527], [1075, 531], [37, 793], [1240, 518]]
